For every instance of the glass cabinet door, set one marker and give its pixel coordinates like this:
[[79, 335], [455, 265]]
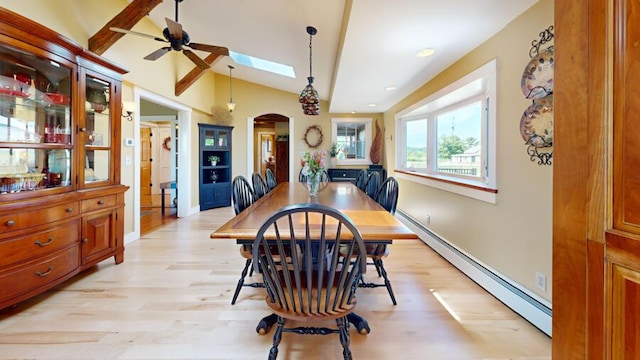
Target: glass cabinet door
[[36, 124], [96, 130]]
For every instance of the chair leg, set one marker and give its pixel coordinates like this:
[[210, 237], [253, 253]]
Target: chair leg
[[387, 283], [345, 340], [375, 263], [277, 336], [241, 281]]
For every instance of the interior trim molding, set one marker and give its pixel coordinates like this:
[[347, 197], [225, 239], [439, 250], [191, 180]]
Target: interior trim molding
[[531, 307]]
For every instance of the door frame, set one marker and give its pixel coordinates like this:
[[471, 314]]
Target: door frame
[[250, 147], [185, 205]]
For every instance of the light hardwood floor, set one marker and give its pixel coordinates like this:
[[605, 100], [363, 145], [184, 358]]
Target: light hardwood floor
[[170, 299]]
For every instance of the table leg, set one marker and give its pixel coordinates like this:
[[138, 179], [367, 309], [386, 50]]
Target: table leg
[[356, 320], [162, 204]]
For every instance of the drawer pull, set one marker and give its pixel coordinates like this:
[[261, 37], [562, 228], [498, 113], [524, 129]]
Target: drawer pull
[[100, 202], [43, 274], [10, 223], [69, 210], [44, 244], [85, 240]]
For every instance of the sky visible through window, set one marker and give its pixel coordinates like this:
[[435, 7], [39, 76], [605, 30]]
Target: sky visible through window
[[262, 64], [464, 122]]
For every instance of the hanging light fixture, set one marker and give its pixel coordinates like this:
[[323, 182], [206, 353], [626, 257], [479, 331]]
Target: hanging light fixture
[[309, 96], [230, 105]]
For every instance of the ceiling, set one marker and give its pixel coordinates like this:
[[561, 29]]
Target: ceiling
[[357, 52]]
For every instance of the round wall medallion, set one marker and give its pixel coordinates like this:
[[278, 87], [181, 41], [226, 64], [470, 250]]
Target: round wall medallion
[[313, 136]]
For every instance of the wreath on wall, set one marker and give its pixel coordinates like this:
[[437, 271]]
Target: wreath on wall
[[313, 136], [166, 144]]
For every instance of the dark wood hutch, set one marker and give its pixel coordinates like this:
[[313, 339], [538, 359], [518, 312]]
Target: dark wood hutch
[[61, 201]]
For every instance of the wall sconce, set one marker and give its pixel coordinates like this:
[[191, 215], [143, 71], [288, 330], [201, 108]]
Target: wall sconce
[[230, 105], [127, 110]]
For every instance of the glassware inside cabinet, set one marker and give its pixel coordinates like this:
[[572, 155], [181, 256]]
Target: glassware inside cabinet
[[35, 99], [97, 130], [27, 169]]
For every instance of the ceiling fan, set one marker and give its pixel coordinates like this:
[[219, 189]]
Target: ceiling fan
[[177, 39]]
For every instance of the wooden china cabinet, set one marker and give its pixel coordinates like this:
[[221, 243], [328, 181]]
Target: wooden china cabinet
[[61, 201]]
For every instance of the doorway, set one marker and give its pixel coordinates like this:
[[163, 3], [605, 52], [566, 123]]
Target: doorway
[[268, 140], [179, 117]]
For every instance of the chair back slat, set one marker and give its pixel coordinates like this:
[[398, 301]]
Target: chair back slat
[[242, 196], [361, 180], [270, 179], [259, 185], [387, 195], [373, 182], [321, 282]]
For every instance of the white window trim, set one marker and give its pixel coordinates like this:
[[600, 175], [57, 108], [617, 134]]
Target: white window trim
[[368, 134], [457, 184]]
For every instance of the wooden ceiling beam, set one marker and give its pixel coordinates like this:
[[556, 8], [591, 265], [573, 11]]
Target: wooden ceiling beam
[[193, 75], [126, 19]]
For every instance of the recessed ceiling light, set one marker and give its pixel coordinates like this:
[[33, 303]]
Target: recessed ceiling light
[[372, 105], [390, 88], [425, 52]]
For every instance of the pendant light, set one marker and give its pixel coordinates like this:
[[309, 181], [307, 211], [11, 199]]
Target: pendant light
[[309, 96], [230, 105]]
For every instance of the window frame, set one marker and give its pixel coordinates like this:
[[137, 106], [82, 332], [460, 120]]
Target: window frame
[[479, 84], [368, 122]]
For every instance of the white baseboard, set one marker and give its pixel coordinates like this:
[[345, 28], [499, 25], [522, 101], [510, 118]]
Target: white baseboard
[[530, 306]]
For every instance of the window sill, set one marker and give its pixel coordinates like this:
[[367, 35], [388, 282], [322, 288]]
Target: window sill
[[470, 189]]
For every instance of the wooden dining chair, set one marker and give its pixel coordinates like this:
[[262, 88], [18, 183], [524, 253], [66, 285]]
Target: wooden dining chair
[[387, 197], [260, 188], [361, 179], [324, 176], [271, 179], [302, 177], [372, 185], [315, 285], [243, 197]]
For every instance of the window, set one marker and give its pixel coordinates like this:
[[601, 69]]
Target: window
[[450, 135], [353, 140]]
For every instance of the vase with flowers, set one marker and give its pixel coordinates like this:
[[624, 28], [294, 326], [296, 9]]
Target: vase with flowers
[[313, 167]]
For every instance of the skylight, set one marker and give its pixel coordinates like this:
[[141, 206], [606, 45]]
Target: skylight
[[262, 64]]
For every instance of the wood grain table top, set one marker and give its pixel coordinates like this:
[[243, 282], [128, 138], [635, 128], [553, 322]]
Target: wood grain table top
[[372, 220]]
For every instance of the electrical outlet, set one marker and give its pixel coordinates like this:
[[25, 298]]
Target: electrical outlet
[[541, 281], [427, 220]]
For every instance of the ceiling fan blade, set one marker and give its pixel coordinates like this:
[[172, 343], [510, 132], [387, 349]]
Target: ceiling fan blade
[[156, 54], [218, 50], [196, 59], [125, 31], [175, 29]]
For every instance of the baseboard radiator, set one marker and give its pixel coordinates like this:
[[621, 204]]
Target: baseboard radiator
[[528, 305]]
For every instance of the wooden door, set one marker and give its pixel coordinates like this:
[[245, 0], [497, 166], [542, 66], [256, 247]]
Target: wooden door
[[596, 210], [145, 165], [282, 161]]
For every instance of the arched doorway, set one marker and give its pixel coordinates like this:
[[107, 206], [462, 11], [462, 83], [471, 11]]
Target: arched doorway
[[271, 148]]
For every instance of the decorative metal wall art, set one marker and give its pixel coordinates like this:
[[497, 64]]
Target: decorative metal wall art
[[536, 124]]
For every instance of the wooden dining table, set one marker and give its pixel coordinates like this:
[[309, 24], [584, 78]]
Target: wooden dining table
[[376, 225]]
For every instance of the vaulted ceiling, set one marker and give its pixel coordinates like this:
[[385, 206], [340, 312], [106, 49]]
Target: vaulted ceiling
[[361, 48]]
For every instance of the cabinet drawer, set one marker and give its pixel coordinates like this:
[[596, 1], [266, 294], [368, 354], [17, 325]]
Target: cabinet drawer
[[38, 245], [38, 275], [98, 203], [343, 174], [32, 218]]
